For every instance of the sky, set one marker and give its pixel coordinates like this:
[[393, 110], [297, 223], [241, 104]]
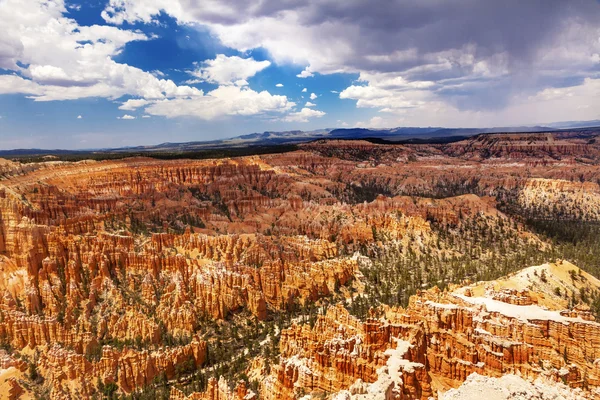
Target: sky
[[113, 73]]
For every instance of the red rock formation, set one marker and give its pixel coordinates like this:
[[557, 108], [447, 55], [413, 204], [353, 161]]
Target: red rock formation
[[132, 254], [520, 145], [217, 391], [129, 368], [340, 350], [444, 336]]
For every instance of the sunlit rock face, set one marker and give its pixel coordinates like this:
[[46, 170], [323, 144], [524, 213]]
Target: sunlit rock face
[[115, 275], [442, 339]]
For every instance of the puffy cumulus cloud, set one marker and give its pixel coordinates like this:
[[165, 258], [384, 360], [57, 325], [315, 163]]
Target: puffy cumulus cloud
[[394, 36], [226, 100], [113, 81], [313, 96], [10, 50], [545, 106], [54, 58], [305, 73], [133, 104], [217, 11], [370, 96], [279, 85], [309, 104], [303, 115], [57, 59], [467, 55], [225, 70], [304, 90], [79, 117], [377, 122], [12, 84]]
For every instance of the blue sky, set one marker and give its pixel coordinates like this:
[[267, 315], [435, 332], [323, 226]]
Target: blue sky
[[116, 73]]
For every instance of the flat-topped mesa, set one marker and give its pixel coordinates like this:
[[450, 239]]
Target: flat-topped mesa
[[512, 330], [359, 150], [521, 145]]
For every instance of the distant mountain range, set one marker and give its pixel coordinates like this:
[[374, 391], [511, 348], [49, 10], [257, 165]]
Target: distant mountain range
[[401, 134], [574, 124]]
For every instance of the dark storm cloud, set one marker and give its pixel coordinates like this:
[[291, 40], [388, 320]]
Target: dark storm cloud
[[511, 47], [441, 39], [519, 28], [383, 27]]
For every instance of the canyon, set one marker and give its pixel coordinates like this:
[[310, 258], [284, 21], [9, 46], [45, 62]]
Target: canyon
[[344, 269]]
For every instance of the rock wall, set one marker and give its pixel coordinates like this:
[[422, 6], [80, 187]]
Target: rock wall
[[438, 341]]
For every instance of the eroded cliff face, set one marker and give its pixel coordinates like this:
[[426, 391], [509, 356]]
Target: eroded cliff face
[[117, 276], [528, 145], [96, 294], [69, 373], [513, 168], [217, 390], [510, 326]]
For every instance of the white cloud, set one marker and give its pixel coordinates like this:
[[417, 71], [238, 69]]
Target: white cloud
[[375, 122], [304, 90], [225, 70], [193, 81], [11, 84], [303, 115], [309, 104], [389, 80], [334, 91], [306, 73], [126, 116], [145, 116], [545, 106], [79, 117], [371, 96], [403, 75], [279, 85], [313, 96], [241, 26], [422, 61], [224, 101], [133, 104], [66, 61]]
